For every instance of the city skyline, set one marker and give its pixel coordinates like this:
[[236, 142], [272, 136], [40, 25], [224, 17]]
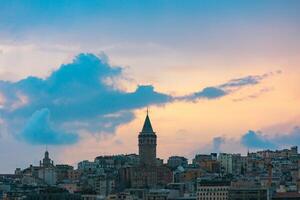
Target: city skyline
[[78, 77], [260, 175], [148, 157], [147, 128]]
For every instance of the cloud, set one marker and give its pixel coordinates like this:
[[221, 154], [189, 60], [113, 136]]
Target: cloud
[[38, 130], [78, 97], [216, 144], [251, 140], [256, 140], [248, 80], [253, 95], [83, 97], [104, 123], [291, 139], [208, 93], [229, 87], [239, 82]]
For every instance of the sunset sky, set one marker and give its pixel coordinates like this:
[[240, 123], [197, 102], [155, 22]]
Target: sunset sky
[[77, 76]]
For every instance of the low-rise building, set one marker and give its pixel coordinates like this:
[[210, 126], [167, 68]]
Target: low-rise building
[[248, 194], [212, 189], [162, 194], [62, 172], [248, 190], [286, 196], [175, 161]]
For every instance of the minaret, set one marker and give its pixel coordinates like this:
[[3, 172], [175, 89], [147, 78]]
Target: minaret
[[147, 144]]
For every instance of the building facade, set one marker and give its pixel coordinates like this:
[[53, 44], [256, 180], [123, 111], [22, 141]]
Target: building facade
[[147, 174], [212, 189], [230, 163]]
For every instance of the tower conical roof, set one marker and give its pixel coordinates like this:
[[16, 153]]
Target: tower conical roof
[[147, 128]]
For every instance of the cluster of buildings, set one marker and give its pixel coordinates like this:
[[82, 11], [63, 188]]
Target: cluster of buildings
[[262, 175]]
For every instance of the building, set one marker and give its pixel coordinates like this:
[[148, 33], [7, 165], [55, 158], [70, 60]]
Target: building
[[116, 161], [48, 193], [47, 171], [188, 175], [137, 194], [47, 162], [92, 197], [70, 187], [62, 172], [32, 171], [204, 157], [48, 175], [162, 194], [175, 161], [248, 190], [212, 189], [147, 144], [120, 196], [286, 196], [74, 174], [284, 153], [230, 163], [148, 174], [104, 185], [248, 194], [87, 166]]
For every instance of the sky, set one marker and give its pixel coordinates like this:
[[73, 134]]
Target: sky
[[76, 77]]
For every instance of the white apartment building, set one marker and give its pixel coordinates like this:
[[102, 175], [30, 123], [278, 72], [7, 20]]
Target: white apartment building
[[230, 163]]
